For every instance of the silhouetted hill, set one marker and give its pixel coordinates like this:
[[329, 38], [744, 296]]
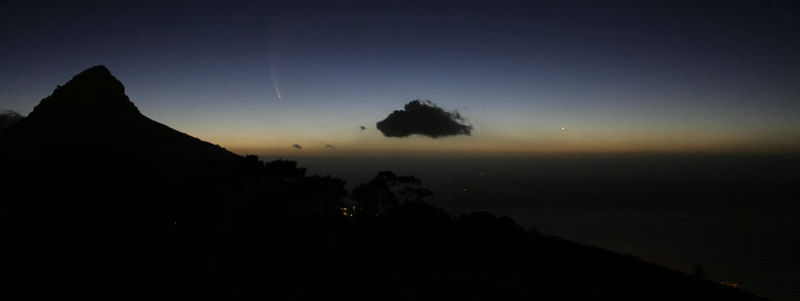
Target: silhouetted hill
[[87, 155], [91, 114], [101, 202], [91, 184]]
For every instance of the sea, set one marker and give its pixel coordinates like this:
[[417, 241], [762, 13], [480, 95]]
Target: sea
[[733, 218]]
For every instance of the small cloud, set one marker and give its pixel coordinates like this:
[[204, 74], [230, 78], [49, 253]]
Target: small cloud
[[297, 146], [363, 127], [423, 117], [330, 146]]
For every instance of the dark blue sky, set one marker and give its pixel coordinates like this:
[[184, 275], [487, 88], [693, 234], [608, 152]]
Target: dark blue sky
[[618, 76]]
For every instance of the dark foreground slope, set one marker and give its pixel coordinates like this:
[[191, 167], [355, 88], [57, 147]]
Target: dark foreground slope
[[101, 202]]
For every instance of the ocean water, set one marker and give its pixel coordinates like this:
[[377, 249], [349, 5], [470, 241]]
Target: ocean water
[[737, 217]]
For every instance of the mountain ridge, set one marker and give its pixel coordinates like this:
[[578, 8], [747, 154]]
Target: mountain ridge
[[93, 89], [92, 113]]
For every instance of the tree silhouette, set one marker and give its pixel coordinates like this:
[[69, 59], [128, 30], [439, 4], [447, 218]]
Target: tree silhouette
[[387, 190], [284, 170]]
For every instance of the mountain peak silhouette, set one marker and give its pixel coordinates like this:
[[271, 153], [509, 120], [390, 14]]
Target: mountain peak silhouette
[[91, 115], [93, 93]]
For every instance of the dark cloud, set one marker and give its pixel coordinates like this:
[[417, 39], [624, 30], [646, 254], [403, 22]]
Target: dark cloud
[[297, 146], [330, 146], [423, 117], [363, 127]]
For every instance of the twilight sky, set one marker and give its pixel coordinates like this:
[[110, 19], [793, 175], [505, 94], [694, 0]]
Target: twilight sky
[[621, 77]]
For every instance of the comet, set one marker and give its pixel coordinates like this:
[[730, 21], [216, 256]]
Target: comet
[[272, 58], [274, 76]]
